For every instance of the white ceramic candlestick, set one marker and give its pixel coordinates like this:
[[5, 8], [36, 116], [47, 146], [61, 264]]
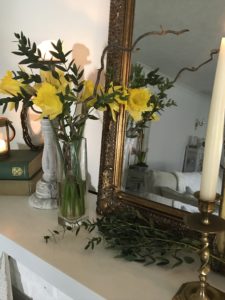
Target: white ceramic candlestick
[[45, 196], [214, 136]]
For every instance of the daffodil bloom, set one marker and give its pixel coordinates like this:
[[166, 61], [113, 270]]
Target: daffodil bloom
[[60, 84], [11, 105], [114, 107], [120, 98], [155, 116], [10, 86], [48, 101], [137, 102], [87, 92]]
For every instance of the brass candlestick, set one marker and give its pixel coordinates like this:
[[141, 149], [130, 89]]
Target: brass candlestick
[[206, 223]]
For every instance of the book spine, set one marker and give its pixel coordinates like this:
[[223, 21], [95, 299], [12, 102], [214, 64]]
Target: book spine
[[15, 171], [19, 187]]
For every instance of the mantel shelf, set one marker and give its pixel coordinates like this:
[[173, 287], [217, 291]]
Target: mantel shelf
[[98, 270]]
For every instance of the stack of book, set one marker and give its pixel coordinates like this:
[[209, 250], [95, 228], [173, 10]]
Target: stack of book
[[20, 172]]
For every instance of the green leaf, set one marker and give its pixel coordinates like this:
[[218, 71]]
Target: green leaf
[[149, 260], [79, 89], [196, 243], [78, 229], [67, 53], [55, 74], [55, 54], [178, 262], [34, 48], [129, 257], [80, 75], [4, 107], [162, 261], [188, 259], [92, 117], [60, 68], [25, 61], [17, 35], [34, 65], [18, 53]]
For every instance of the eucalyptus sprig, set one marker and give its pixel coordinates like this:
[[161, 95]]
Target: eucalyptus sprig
[[137, 238]]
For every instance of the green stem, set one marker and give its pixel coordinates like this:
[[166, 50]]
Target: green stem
[[58, 144]]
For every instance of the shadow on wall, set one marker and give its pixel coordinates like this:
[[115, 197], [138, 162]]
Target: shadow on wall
[[81, 56]]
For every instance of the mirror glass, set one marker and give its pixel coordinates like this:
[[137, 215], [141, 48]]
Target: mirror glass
[[163, 162]]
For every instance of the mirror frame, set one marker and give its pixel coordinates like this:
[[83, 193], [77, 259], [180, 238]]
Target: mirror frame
[[110, 196]]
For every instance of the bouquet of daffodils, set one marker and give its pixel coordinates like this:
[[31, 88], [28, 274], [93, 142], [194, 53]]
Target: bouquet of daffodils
[[57, 89]]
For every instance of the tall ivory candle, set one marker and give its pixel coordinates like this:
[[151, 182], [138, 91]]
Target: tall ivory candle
[[214, 135]]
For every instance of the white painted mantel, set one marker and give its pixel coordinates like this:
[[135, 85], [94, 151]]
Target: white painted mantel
[[78, 273]]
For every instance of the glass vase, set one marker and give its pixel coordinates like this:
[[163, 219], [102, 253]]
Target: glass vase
[[72, 186]]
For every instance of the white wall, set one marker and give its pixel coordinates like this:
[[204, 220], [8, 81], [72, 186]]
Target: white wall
[[169, 136], [75, 22]]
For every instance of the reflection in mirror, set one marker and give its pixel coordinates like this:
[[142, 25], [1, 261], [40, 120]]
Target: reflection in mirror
[[163, 159]]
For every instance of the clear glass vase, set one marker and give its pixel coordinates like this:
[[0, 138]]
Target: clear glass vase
[[72, 186]]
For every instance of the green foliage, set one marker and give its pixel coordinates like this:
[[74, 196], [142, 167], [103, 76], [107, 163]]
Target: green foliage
[[136, 238], [158, 102], [159, 99], [32, 62]]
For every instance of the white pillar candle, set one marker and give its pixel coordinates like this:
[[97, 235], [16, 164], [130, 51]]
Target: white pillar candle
[[214, 136]]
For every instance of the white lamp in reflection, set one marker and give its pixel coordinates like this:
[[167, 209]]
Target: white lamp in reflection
[[45, 196]]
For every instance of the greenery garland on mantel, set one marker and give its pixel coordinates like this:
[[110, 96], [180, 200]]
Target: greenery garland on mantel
[[136, 238]]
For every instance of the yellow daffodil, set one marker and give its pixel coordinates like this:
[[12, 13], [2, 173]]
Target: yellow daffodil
[[48, 101], [10, 86], [114, 107], [60, 84], [88, 91], [155, 116], [137, 102], [11, 105], [118, 99]]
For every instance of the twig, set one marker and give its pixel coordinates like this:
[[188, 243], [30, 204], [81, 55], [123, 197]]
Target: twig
[[162, 32], [130, 49], [193, 69]]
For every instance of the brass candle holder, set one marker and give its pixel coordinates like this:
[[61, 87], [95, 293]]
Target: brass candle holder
[[206, 223]]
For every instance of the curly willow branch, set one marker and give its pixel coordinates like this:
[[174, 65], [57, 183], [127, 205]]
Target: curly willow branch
[[130, 49], [193, 69], [162, 32]]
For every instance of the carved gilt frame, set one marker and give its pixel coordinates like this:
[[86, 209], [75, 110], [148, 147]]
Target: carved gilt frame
[[120, 34], [110, 196]]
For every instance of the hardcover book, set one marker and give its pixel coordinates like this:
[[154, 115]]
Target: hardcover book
[[19, 187], [20, 165]]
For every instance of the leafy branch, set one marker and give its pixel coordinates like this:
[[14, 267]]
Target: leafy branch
[[137, 238], [162, 32]]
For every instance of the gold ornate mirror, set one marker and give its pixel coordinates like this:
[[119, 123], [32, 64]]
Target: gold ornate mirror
[[114, 190]]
